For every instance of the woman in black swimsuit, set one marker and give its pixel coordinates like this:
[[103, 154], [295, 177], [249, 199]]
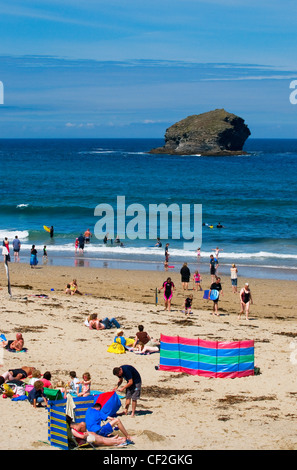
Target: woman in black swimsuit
[[245, 300], [169, 288]]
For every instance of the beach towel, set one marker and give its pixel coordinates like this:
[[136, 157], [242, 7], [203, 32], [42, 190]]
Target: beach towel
[[14, 350]]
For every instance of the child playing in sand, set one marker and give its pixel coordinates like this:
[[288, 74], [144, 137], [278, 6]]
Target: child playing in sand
[[74, 288], [36, 395], [188, 305], [68, 290], [86, 385], [197, 281]]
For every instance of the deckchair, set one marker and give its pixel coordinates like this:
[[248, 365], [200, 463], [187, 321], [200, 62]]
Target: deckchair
[[76, 440]]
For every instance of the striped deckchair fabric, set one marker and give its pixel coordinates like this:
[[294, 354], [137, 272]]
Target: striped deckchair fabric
[[57, 425], [207, 358]]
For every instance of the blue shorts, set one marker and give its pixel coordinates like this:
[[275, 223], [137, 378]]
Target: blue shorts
[[105, 430], [234, 282]]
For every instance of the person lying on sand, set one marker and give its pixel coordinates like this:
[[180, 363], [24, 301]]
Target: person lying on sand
[[94, 323], [16, 374], [152, 346]]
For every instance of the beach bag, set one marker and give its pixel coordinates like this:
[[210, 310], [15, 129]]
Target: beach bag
[[52, 394]]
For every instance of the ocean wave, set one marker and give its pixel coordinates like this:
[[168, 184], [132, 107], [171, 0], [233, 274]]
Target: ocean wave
[[159, 252], [10, 234]]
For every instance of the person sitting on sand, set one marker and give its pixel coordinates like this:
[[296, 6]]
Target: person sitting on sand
[[98, 324], [68, 289], [141, 338], [16, 345], [79, 431], [36, 375], [46, 379], [60, 385], [120, 343], [74, 288], [74, 383], [86, 385], [36, 396]]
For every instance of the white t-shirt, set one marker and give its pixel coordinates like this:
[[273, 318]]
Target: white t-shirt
[[74, 384], [233, 273]]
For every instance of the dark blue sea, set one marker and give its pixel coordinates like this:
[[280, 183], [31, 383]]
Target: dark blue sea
[[60, 182]]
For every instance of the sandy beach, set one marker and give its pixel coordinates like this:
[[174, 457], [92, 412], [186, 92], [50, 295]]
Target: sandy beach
[[176, 411]]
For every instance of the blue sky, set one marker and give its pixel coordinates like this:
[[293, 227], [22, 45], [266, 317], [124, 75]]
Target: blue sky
[[133, 68]]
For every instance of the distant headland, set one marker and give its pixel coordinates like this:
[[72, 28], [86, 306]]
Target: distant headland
[[216, 132]]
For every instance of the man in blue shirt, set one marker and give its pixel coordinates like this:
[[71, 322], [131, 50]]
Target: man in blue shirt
[[16, 248], [132, 387], [94, 416]]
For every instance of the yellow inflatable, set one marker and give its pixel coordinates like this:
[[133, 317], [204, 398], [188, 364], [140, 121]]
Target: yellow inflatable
[[8, 390]]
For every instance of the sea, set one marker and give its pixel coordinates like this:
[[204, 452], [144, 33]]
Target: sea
[[60, 183]]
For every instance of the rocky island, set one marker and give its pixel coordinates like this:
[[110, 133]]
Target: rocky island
[[213, 133]]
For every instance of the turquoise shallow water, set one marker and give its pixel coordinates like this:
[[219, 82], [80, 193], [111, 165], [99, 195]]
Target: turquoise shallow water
[[60, 182]]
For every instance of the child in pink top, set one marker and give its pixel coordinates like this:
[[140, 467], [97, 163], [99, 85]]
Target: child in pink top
[[86, 385], [46, 379]]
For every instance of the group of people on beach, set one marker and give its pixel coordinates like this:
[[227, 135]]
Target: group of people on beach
[[168, 286], [97, 428]]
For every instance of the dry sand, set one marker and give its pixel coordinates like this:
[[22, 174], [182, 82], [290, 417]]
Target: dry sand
[[176, 411]]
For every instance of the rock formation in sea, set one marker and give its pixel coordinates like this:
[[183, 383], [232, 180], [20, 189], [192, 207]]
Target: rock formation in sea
[[213, 133]]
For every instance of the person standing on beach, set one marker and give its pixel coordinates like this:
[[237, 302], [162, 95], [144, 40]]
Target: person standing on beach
[[234, 272], [132, 387], [216, 286], [6, 245], [245, 300], [16, 244], [185, 276], [33, 258], [169, 288], [213, 264]]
